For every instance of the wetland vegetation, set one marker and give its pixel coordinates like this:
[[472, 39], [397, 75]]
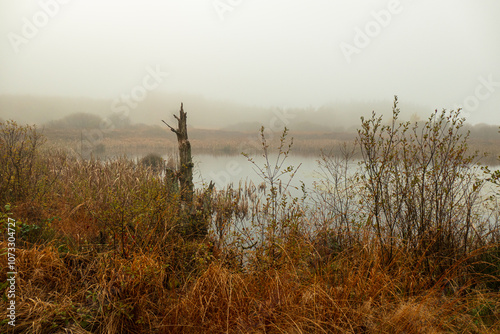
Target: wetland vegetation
[[409, 242]]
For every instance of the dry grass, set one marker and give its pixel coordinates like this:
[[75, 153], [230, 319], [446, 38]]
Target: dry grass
[[101, 293], [99, 250]]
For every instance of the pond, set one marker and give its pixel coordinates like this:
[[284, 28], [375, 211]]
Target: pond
[[226, 169], [223, 170]]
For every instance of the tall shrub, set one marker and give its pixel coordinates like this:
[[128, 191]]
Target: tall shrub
[[420, 183]]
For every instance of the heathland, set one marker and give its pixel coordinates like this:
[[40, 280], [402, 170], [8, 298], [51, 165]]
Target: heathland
[[406, 243]]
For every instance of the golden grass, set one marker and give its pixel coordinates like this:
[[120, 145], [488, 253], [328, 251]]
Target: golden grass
[[102, 293]]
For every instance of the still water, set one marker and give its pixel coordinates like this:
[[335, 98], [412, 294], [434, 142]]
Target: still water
[[223, 170], [226, 169]]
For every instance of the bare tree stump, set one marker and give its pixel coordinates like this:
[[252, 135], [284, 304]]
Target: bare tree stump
[[186, 161], [196, 216]]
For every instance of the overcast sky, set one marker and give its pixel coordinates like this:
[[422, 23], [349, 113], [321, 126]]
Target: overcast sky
[[441, 53]]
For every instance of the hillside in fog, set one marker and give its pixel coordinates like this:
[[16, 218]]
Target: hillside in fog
[[203, 113]]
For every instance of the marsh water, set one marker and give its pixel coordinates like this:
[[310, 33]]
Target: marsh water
[[223, 170], [226, 169]]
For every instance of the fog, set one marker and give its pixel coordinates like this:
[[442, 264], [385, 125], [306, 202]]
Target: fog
[[230, 61]]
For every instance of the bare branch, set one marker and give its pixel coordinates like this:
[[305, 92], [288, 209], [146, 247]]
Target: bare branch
[[171, 128]]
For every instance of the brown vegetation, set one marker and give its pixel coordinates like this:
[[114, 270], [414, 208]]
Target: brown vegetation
[[137, 139], [395, 248]]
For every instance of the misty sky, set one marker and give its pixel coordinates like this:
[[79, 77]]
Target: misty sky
[[441, 53]]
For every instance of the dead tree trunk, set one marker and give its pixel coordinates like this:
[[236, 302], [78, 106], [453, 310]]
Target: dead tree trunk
[[196, 217], [186, 161]]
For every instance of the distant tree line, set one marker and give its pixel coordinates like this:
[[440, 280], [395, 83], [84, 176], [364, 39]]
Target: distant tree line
[[83, 120]]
